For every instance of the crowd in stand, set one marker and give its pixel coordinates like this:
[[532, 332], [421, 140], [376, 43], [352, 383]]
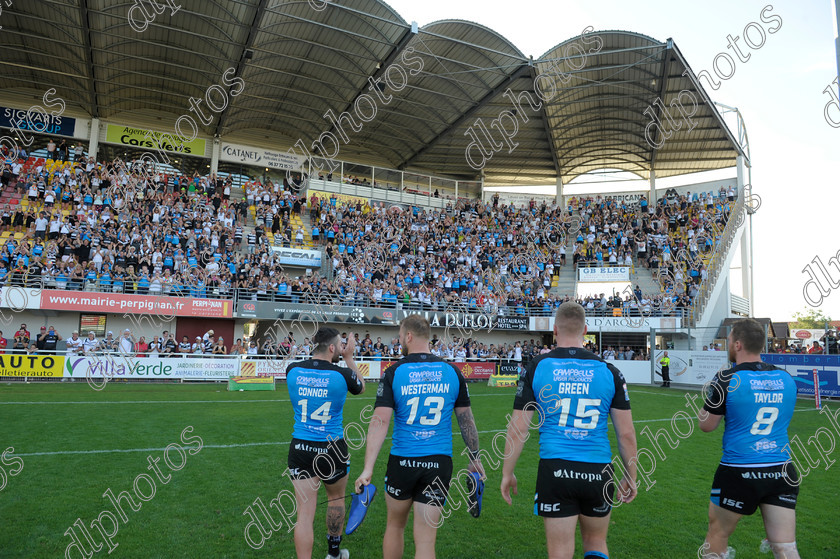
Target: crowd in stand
[[49, 340], [112, 227], [109, 226], [480, 255], [457, 349]]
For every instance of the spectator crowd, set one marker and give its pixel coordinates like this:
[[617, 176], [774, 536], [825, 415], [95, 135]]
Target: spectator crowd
[[116, 227]]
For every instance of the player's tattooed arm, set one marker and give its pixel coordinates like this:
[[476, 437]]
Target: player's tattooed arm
[[470, 434], [468, 429]]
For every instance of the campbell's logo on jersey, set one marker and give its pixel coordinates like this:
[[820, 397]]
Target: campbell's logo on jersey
[[425, 376], [315, 382], [573, 375], [767, 384]]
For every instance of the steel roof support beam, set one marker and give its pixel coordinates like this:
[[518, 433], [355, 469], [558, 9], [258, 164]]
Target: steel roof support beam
[[663, 89], [398, 48], [84, 17], [240, 66], [522, 71]]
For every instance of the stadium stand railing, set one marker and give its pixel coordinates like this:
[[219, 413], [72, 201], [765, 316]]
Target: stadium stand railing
[[721, 251]]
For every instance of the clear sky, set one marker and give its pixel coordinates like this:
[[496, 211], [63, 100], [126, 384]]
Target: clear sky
[[779, 91]]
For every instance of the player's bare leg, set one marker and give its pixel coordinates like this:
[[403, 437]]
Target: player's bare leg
[[780, 525], [593, 532], [306, 498], [393, 541], [560, 537], [426, 522], [722, 524]]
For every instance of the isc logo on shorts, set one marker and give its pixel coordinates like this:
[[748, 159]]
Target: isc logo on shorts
[[545, 507], [392, 490], [733, 503]]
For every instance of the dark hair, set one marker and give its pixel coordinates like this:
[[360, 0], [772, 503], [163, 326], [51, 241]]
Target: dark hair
[[749, 332], [324, 337]]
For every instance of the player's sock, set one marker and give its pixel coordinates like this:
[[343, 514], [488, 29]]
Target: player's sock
[[333, 542], [595, 555], [784, 550], [705, 554]]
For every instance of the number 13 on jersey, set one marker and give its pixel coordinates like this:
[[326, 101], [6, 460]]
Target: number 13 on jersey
[[435, 405]]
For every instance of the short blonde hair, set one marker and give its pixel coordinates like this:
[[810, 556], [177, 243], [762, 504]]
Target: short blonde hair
[[570, 319]]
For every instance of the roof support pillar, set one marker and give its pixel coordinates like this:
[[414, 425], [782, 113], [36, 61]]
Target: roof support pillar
[[93, 146], [652, 196], [558, 195], [215, 154]]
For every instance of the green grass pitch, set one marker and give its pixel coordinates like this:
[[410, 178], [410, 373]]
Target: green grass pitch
[[55, 429]]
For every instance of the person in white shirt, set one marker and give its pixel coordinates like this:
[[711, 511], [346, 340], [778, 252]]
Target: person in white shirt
[[198, 346], [517, 352], [90, 343], [461, 355], [155, 346], [74, 343], [127, 342], [41, 224]]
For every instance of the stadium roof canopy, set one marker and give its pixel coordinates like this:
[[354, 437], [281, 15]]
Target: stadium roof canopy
[[299, 60]]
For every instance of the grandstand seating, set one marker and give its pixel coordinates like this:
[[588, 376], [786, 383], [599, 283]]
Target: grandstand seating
[[467, 253]]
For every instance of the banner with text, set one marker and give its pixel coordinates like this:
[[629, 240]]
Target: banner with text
[[634, 324], [261, 157], [118, 366], [152, 139], [31, 365], [164, 305], [801, 368], [327, 311], [37, 121], [691, 367], [472, 370], [302, 257], [614, 273]]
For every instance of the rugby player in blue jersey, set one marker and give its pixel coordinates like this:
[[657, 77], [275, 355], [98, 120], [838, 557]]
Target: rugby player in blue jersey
[[421, 391], [318, 389], [574, 391], [755, 471]]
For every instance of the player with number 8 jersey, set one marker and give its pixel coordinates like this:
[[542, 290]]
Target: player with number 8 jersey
[[756, 471]]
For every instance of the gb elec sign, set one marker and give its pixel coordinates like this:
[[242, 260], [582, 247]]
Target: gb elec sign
[[297, 257], [615, 273]]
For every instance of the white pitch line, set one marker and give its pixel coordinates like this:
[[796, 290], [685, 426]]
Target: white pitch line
[[194, 401], [277, 443], [126, 450]]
